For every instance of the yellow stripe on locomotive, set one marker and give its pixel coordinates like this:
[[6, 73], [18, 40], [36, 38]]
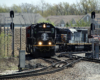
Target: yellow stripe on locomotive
[[79, 44]]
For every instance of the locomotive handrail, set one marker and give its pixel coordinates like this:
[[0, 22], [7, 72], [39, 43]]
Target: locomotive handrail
[[77, 43], [33, 39], [38, 39]]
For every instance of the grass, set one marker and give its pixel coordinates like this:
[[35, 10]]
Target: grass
[[4, 41]]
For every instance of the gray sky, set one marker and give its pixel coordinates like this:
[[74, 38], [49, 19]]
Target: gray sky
[[11, 2]]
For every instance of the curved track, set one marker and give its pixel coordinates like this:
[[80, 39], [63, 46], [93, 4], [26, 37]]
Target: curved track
[[45, 70], [50, 69]]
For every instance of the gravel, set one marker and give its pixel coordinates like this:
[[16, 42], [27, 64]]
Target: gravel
[[80, 71], [83, 70]]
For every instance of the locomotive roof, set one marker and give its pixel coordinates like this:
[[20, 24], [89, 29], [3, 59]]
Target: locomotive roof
[[34, 25], [71, 30], [81, 29]]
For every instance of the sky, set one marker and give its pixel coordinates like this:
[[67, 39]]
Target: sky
[[9, 3]]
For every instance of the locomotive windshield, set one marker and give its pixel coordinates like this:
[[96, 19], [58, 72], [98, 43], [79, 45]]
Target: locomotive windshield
[[43, 28], [47, 30]]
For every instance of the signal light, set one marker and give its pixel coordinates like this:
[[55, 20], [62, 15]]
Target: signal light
[[12, 14], [93, 15], [44, 25]]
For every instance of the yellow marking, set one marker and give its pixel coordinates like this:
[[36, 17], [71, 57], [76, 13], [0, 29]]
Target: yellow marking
[[74, 43], [78, 43], [59, 43], [43, 45]]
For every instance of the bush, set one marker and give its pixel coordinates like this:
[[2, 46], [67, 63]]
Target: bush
[[46, 21]]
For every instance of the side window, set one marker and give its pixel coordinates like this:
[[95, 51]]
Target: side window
[[28, 31], [35, 30], [32, 33], [52, 30]]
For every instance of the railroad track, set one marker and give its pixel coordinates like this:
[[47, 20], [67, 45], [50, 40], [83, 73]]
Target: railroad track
[[51, 60], [76, 57], [56, 65]]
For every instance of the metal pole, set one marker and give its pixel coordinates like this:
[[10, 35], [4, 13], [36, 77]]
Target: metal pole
[[7, 40], [97, 50], [93, 47], [93, 41], [4, 40], [12, 40], [0, 39], [20, 36]]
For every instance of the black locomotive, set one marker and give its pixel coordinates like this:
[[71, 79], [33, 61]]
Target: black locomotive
[[43, 39], [72, 39], [40, 40]]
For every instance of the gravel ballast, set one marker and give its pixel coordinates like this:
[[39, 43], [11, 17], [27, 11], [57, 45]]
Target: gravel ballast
[[80, 71]]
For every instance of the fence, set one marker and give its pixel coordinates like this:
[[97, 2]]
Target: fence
[[6, 41], [0, 39]]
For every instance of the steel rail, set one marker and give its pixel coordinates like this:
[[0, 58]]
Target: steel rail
[[51, 60], [83, 58], [36, 72]]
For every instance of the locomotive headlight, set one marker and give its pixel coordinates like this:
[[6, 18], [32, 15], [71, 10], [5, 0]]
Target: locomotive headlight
[[44, 25], [49, 43], [40, 43]]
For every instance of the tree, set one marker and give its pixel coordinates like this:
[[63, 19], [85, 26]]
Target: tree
[[67, 24], [72, 10], [16, 8], [62, 8], [66, 8], [47, 21], [82, 23], [86, 6], [26, 7]]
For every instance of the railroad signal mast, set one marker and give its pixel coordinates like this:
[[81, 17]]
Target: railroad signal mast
[[95, 53], [12, 28], [92, 24], [92, 31]]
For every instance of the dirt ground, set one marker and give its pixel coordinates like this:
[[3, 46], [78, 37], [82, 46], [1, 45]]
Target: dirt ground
[[8, 64], [80, 71]]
